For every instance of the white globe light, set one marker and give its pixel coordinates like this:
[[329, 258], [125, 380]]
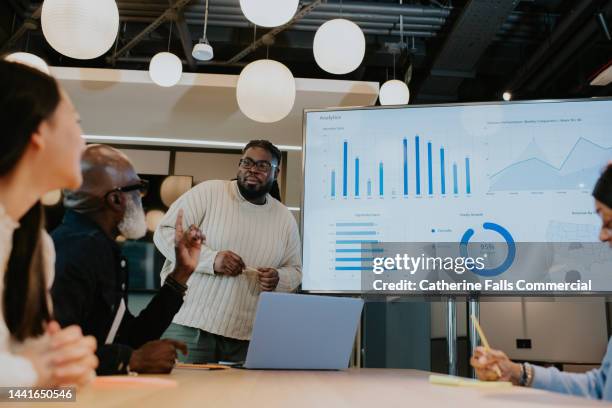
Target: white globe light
[[153, 218], [269, 13], [507, 96], [173, 187], [81, 29], [339, 46], [30, 60], [165, 69], [394, 92], [51, 198], [265, 91]]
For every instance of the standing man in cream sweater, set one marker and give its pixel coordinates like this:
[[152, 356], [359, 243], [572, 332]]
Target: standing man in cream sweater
[[245, 227]]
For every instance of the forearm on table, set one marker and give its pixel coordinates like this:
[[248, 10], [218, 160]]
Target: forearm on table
[[589, 384], [113, 359], [153, 320]]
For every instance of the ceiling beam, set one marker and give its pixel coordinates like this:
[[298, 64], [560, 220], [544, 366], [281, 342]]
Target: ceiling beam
[[564, 33], [30, 23], [167, 15], [185, 36], [272, 33], [475, 29]]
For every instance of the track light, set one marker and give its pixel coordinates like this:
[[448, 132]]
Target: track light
[[203, 51]]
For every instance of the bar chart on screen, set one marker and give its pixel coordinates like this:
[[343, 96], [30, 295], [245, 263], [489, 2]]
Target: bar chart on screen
[[428, 174], [418, 157]]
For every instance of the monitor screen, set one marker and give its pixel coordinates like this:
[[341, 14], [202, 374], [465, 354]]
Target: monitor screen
[[431, 173]]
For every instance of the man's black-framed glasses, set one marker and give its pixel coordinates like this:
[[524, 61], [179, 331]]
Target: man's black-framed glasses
[[142, 186], [261, 165]]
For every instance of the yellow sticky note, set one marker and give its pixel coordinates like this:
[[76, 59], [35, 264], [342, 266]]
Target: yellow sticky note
[[466, 382]]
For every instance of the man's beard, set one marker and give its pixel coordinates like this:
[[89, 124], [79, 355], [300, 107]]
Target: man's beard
[[133, 225], [254, 192]]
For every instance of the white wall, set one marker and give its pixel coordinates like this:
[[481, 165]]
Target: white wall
[[149, 161], [201, 107], [213, 166], [572, 330], [562, 330], [207, 166]]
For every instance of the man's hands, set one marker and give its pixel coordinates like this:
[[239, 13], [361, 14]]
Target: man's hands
[[494, 365], [267, 279], [187, 246], [62, 356], [231, 264], [228, 263], [156, 357]]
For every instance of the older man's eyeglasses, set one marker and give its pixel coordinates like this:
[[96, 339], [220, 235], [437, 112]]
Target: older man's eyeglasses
[[142, 186], [261, 165]]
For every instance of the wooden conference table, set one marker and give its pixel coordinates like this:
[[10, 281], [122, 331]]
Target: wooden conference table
[[371, 388]]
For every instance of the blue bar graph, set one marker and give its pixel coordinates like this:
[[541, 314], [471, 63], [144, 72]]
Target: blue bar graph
[[364, 168], [381, 178], [359, 250], [442, 175], [355, 224], [345, 173], [353, 259], [355, 232], [417, 161], [333, 183], [357, 241], [357, 177], [405, 166], [468, 188], [353, 268], [430, 168]]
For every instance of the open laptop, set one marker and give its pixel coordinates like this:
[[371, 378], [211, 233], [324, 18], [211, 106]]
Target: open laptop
[[303, 332]]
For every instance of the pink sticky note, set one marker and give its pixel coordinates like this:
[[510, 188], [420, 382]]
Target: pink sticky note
[[129, 381]]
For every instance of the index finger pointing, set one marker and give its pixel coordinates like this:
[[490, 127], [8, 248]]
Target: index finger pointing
[[178, 225]]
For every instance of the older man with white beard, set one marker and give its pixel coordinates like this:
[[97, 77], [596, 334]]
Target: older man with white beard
[[90, 287]]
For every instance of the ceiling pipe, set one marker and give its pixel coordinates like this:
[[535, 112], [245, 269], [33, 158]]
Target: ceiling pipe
[[419, 30], [353, 17], [507, 29], [349, 7], [296, 27], [327, 15], [433, 21], [146, 60]]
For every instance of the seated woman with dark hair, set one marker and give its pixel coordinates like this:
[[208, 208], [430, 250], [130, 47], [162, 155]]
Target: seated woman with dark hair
[[494, 365], [40, 149]]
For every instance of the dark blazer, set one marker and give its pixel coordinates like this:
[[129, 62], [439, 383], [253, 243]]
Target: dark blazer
[[90, 281]]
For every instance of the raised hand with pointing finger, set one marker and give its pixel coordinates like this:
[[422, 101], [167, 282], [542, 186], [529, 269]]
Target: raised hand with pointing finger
[[187, 247]]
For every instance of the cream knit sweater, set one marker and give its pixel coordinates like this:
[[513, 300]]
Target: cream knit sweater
[[17, 371], [263, 235]]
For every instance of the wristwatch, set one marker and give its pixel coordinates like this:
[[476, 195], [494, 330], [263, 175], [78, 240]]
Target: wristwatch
[[175, 285], [526, 375]]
